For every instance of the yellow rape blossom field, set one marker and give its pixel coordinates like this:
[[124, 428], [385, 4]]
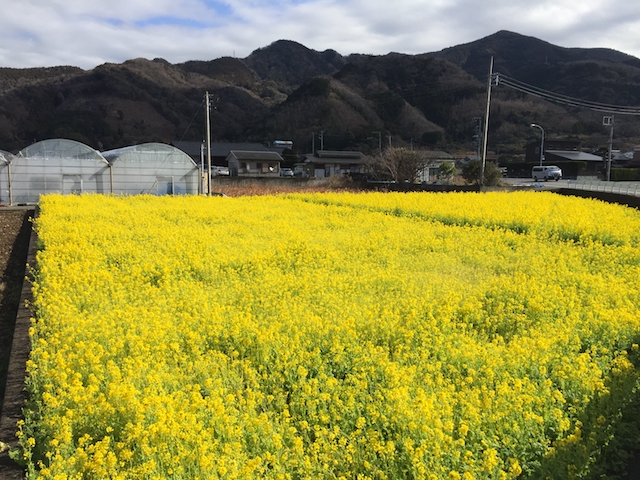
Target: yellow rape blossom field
[[332, 336]]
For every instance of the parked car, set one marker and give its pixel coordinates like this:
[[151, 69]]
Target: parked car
[[286, 172], [546, 172], [218, 170]]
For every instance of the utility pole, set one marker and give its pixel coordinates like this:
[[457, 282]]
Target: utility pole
[[535, 125], [313, 143], [379, 142], [486, 122], [208, 146], [609, 121], [202, 147], [478, 121], [321, 139]]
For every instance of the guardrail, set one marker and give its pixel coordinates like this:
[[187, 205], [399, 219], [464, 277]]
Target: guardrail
[[621, 188]]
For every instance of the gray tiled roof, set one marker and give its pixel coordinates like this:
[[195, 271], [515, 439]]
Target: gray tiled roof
[[339, 154], [249, 155], [583, 156], [342, 158]]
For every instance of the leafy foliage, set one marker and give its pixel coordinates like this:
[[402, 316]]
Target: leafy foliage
[[472, 172], [446, 171], [625, 174]]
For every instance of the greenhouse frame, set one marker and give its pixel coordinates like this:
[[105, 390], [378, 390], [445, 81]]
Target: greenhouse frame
[[66, 166], [152, 168], [5, 170], [62, 166]]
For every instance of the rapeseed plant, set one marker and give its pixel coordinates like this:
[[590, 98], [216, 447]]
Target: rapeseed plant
[[330, 335]]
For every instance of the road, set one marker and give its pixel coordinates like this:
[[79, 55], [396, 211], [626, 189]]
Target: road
[[593, 185], [529, 182]]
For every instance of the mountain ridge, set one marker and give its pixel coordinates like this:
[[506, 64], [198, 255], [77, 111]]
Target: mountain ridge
[[288, 90]]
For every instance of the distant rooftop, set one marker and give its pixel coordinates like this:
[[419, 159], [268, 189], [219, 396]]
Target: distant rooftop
[[218, 149], [256, 155], [581, 156], [339, 154]]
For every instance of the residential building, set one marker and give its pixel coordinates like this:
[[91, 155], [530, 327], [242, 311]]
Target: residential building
[[635, 162], [254, 163], [327, 163], [433, 161], [219, 150], [564, 150]]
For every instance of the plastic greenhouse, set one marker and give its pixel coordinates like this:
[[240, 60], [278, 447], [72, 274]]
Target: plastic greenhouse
[[67, 166], [5, 170], [152, 168], [63, 166]]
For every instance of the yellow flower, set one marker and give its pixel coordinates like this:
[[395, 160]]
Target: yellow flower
[[316, 335]]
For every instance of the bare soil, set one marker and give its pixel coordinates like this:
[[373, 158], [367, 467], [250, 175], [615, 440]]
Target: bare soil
[[14, 244], [15, 228]]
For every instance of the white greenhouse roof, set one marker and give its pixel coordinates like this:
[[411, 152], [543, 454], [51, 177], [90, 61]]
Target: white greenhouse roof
[[60, 148], [149, 152], [5, 157]]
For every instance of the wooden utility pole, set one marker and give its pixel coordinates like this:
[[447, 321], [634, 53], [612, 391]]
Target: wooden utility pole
[[208, 146], [486, 122]]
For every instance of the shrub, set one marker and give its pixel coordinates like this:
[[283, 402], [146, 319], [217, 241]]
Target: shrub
[[472, 173]]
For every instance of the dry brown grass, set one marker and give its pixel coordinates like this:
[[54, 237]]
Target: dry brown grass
[[332, 184]]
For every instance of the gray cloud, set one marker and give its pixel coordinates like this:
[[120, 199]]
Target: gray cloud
[[86, 34]]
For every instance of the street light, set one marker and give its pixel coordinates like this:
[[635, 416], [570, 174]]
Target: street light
[[535, 125]]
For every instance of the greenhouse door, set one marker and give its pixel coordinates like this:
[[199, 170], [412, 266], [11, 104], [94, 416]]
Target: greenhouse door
[[72, 184], [165, 185]]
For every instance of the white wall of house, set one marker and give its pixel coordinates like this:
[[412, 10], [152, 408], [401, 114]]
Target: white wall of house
[[244, 167]]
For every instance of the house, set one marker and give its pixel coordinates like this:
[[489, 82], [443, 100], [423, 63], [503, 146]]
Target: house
[[595, 163], [635, 160], [219, 150], [532, 154], [254, 163], [433, 161], [327, 163], [280, 146], [558, 150]]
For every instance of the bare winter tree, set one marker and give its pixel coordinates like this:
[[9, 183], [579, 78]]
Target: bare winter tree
[[402, 164]]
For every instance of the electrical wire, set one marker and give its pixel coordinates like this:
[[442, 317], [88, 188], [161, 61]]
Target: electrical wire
[[499, 79], [191, 122]]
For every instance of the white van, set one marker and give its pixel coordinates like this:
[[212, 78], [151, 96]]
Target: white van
[[547, 172]]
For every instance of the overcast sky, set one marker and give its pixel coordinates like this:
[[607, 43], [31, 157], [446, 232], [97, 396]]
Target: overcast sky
[[87, 33]]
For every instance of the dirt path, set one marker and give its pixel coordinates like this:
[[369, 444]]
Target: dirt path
[[15, 230], [14, 243]]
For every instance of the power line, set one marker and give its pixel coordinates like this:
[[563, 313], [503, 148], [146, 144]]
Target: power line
[[194, 117], [499, 79]]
